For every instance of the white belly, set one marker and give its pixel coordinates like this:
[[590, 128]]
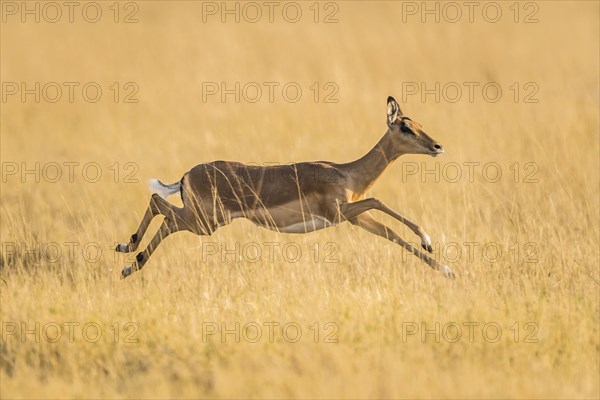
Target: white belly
[[313, 224], [288, 218]]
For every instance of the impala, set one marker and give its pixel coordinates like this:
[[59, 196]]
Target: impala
[[296, 198]]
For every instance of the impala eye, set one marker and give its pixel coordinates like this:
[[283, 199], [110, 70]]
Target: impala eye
[[404, 128]]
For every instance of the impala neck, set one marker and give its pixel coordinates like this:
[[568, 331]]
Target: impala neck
[[368, 168]]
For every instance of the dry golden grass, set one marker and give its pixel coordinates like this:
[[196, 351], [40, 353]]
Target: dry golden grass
[[373, 292]]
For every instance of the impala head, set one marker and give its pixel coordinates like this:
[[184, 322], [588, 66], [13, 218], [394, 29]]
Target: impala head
[[407, 135]]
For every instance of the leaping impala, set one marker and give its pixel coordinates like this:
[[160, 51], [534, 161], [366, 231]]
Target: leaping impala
[[296, 198]]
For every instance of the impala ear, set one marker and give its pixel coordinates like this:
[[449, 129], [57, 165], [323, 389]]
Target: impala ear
[[393, 111]]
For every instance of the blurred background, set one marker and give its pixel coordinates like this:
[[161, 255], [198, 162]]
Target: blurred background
[[110, 94]]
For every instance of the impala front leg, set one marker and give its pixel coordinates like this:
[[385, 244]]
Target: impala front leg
[[352, 210], [366, 222]]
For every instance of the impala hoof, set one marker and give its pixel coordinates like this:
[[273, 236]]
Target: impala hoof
[[448, 272], [122, 248], [126, 272], [426, 242]]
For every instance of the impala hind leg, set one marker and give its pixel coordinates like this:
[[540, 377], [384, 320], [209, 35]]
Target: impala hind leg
[[366, 222], [166, 228], [176, 220], [157, 206]]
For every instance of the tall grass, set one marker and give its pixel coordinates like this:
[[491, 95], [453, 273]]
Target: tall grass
[[524, 247]]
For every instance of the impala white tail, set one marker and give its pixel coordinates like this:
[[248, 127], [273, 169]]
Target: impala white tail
[[163, 190]]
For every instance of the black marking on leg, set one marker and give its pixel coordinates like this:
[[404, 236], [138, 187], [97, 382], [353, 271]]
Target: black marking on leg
[[139, 257], [134, 238], [181, 188]]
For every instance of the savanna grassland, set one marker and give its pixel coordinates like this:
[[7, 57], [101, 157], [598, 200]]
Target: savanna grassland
[[513, 208]]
